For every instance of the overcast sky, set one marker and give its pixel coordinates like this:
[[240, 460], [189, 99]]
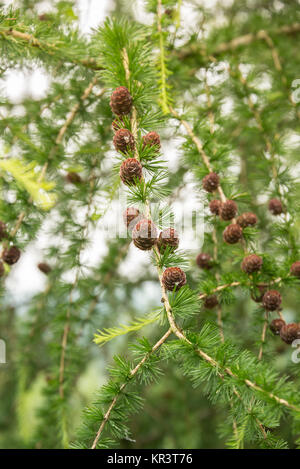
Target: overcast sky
[[25, 279]]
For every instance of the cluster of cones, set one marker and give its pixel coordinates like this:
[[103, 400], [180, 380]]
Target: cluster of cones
[[270, 299], [144, 233]]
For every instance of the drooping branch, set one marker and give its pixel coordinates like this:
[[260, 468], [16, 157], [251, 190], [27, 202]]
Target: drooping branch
[[132, 374], [50, 48], [240, 41]]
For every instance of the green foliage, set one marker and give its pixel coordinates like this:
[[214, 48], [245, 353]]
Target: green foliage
[[231, 86], [109, 334]]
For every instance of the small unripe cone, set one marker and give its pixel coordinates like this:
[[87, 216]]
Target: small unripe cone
[[131, 215], [276, 326], [247, 219], [2, 270], [124, 141], [211, 302], [45, 268], [295, 269], [144, 235], [121, 101], [131, 171], [275, 206], [215, 206], [168, 238], [290, 332], [232, 233], [11, 255], [3, 232], [252, 263], [45, 17], [228, 210], [258, 294], [152, 139], [169, 12], [204, 261], [173, 277], [271, 300], [73, 178], [211, 182]]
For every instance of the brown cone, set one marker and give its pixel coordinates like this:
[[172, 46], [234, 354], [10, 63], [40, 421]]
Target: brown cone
[[121, 101], [124, 141], [173, 277], [210, 302], [144, 235], [204, 261], [73, 178], [232, 233], [152, 139], [211, 182], [215, 206], [247, 219], [11, 255], [168, 238], [228, 210], [131, 171], [252, 263], [275, 206], [290, 332], [295, 269], [276, 326], [45, 268], [271, 300]]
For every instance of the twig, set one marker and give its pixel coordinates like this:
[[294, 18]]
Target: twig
[[278, 66], [237, 284], [240, 41], [47, 47], [263, 336]]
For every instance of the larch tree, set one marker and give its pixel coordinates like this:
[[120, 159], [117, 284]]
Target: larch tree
[[134, 341]]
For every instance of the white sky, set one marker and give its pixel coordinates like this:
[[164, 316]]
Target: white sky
[[25, 279]]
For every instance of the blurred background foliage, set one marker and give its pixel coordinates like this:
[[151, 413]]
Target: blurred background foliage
[[99, 273]]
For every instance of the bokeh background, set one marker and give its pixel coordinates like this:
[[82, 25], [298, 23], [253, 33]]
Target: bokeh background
[[175, 414]]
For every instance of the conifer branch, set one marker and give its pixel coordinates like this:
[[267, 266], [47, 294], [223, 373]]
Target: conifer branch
[[269, 145], [278, 66], [206, 161], [58, 141], [47, 47], [199, 146], [240, 41], [250, 384], [133, 372], [105, 335], [75, 109], [162, 61], [219, 288]]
